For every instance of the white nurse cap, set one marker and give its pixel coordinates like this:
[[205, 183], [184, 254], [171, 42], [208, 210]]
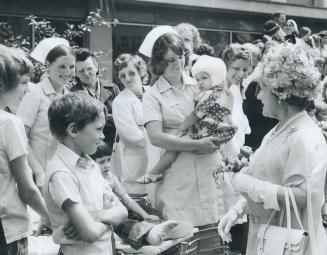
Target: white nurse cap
[[152, 36], [41, 51]]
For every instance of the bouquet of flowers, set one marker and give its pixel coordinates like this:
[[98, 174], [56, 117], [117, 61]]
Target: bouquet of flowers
[[232, 164]]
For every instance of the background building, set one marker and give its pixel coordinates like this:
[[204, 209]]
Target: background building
[[220, 21]]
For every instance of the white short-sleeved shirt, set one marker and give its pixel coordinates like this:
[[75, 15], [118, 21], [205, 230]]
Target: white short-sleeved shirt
[[79, 179], [33, 110], [13, 210]]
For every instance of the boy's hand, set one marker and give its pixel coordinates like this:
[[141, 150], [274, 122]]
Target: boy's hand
[[44, 223], [96, 215], [71, 232]]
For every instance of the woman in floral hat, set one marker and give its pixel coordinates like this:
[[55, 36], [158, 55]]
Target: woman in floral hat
[[292, 154]]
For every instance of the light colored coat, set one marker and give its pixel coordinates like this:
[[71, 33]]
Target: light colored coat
[[293, 156]]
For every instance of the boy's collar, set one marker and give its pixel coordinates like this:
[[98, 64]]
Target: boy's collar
[[70, 158]]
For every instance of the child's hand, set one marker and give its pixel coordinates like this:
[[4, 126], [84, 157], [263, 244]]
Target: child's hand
[[151, 218], [181, 133]]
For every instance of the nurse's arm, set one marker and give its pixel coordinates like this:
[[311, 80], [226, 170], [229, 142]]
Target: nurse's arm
[[171, 142]]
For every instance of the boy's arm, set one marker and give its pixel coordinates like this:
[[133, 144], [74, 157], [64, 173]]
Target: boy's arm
[[122, 194], [135, 207], [113, 216], [189, 121], [64, 191], [28, 191], [88, 229]]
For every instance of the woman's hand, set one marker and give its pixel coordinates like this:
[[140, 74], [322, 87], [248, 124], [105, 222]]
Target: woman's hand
[[207, 145], [225, 224]]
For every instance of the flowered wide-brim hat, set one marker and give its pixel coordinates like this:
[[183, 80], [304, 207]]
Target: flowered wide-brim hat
[[43, 48], [289, 70]]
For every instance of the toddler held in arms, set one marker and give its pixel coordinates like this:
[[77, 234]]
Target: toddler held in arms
[[211, 116]]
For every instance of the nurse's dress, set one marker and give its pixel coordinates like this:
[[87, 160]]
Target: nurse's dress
[[296, 155], [188, 191], [131, 153]]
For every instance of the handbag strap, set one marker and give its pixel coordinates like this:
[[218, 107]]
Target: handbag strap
[[295, 208], [288, 212], [289, 196], [288, 208]]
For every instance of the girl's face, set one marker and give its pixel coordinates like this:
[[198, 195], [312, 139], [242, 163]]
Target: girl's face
[[130, 78], [204, 81], [321, 115], [289, 27], [15, 96], [237, 71], [61, 70], [104, 164], [175, 64], [269, 101]]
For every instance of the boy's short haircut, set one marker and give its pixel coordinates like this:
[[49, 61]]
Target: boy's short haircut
[[9, 70], [75, 107], [102, 150], [24, 64]]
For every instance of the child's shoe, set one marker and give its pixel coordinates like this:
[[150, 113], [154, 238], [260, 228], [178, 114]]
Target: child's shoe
[[149, 178]]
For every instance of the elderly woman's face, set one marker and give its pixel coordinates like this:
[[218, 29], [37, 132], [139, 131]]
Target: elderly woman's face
[[289, 27], [175, 63], [269, 101], [130, 77]]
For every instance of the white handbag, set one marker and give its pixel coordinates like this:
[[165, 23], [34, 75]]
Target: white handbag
[[278, 240]]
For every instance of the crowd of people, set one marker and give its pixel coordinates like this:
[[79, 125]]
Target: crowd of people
[[223, 139]]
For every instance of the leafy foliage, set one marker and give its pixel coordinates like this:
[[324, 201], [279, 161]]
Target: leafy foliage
[[42, 28]]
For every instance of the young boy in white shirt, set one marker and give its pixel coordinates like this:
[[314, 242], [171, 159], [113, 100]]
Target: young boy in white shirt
[[81, 204]]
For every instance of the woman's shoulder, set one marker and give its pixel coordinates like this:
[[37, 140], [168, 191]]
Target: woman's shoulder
[[306, 132]]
